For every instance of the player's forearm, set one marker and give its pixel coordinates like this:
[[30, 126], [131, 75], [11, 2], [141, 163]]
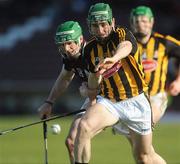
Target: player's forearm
[[93, 85], [57, 90], [123, 50], [94, 81]]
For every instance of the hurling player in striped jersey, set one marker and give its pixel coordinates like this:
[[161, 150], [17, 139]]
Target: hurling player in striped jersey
[[156, 50], [111, 59]]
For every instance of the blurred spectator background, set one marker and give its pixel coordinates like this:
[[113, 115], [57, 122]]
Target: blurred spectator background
[[29, 59]]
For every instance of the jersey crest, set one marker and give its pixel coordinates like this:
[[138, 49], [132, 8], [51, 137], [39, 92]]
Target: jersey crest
[[149, 65]]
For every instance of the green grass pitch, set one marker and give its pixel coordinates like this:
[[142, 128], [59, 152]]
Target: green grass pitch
[[26, 146]]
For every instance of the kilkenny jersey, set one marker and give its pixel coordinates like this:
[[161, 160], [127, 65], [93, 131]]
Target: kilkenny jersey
[[78, 66], [126, 78], [155, 55]]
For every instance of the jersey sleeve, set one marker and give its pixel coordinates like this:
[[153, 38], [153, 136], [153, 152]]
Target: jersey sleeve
[[125, 34], [130, 37], [87, 60], [172, 47]]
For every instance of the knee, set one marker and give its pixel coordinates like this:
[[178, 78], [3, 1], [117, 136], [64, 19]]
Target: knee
[[142, 158]]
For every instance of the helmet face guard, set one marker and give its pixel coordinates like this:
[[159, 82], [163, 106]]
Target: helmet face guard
[[137, 12], [141, 11], [99, 12], [68, 31]]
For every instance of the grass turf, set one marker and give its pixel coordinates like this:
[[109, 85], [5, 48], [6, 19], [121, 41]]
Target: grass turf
[[26, 146]]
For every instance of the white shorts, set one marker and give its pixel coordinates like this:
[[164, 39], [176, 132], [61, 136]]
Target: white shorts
[[160, 100], [133, 113]]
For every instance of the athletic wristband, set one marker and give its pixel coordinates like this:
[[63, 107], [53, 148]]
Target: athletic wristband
[[49, 102]]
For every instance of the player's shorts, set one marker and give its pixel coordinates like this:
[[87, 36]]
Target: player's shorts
[[133, 113], [160, 100]]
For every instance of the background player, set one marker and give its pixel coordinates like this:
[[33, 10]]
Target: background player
[[155, 51], [70, 42]]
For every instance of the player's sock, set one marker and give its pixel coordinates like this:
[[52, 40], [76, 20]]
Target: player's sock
[[80, 163]]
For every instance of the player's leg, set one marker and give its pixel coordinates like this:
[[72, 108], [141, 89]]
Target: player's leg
[[137, 112], [73, 131], [143, 150], [159, 105], [139, 123], [95, 119], [70, 139], [122, 130]]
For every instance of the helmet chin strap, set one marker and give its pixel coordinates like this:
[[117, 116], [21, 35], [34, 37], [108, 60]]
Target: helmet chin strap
[[140, 35], [75, 56], [79, 52]]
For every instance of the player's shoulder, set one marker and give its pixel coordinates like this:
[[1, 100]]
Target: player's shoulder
[[121, 29], [172, 39], [90, 44], [158, 35], [124, 33], [166, 37], [90, 41]]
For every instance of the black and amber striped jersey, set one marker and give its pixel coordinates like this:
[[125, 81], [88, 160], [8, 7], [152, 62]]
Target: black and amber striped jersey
[[154, 56], [78, 66], [127, 78]]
